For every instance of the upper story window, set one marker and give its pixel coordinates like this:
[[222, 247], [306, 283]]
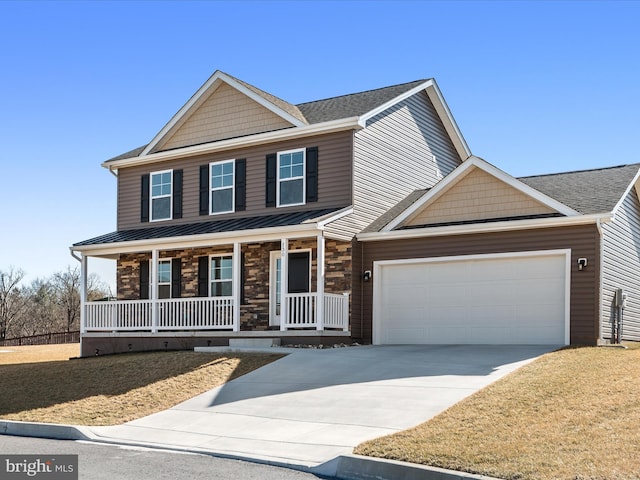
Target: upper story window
[[161, 195], [291, 178], [222, 187]]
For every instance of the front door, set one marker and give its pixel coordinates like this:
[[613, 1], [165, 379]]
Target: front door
[[299, 279]]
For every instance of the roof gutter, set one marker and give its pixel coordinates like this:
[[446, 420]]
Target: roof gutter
[[475, 228], [250, 140]]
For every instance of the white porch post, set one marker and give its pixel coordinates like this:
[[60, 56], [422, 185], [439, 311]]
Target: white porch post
[[237, 257], [320, 287], [154, 291], [83, 293], [284, 283]]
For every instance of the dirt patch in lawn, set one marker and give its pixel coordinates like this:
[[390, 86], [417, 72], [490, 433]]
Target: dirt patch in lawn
[[573, 414], [38, 353], [113, 389]]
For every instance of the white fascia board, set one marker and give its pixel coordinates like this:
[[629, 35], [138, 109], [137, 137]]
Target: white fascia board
[[435, 95], [633, 184], [468, 229], [204, 90], [331, 217], [262, 101], [204, 240], [454, 177], [250, 140]]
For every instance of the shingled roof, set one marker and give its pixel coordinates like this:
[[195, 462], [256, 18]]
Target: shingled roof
[[586, 191], [352, 105], [319, 111]]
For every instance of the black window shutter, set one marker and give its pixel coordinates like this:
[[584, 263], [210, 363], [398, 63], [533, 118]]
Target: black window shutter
[[177, 194], [242, 278], [203, 276], [241, 184], [272, 161], [204, 189], [312, 174], [144, 198], [176, 278], [144, 279]]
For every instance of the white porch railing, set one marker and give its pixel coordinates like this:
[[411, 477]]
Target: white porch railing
[[195, 313], [302, 310], [210, 313], [120, 315], [172, 314]]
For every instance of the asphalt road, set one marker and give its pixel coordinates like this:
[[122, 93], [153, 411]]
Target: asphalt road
[[110, 462]]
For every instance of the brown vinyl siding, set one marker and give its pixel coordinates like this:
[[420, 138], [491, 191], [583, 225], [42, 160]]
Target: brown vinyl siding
[[334, 180], [584, 241], [621, 267]]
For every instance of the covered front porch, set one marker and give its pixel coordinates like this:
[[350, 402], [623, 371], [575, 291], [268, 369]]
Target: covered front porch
[[223, 286]]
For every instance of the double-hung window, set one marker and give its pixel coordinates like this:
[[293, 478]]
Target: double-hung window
[[164, 279], [222, 176], [161, 197], [291, 181], [221, 277]]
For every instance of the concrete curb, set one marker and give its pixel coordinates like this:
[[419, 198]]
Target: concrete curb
[[356, 467], [344, 467], [43, 430]]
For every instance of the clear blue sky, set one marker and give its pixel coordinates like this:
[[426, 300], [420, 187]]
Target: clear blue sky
[[536, 87]]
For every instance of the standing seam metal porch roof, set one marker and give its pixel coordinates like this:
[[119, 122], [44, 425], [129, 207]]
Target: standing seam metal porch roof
[[210, 227]]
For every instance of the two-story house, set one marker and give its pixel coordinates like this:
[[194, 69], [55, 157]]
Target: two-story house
[[361, 217], [238, 219]]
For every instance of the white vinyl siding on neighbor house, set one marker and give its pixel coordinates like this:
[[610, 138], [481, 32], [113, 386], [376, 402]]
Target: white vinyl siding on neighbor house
[[161, 186], [620, 267], [222, 187], [402, 149], [291, 178]]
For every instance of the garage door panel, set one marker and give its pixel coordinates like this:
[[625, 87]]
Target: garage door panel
[[514, 299]]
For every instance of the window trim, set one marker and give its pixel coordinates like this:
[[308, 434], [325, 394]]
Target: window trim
[[303, 177], [211, 280], [169, 283], [233, 187], [152, 197]]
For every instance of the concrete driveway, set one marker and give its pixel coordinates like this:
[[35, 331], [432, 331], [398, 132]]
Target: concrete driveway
[[314, 405]]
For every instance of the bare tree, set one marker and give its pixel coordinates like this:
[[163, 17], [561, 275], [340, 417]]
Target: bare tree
[[67, 287], [41, 312], [12, 302]]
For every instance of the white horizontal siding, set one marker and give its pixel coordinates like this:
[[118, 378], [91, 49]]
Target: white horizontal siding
[[401, 149], [621, 267]]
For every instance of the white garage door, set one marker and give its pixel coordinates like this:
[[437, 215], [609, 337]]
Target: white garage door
[[488, 299]]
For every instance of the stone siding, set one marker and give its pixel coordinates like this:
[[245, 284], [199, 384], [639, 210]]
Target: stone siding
[[256, 257]]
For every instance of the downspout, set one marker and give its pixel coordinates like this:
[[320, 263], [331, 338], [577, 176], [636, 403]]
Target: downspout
[[600, 281], [73, 254], [112, 172]]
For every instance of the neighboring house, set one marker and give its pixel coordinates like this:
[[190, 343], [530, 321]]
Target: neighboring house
[[238, 219], [361, 217]]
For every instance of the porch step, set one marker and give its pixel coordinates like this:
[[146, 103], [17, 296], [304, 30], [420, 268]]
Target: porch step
[[254, 342]]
